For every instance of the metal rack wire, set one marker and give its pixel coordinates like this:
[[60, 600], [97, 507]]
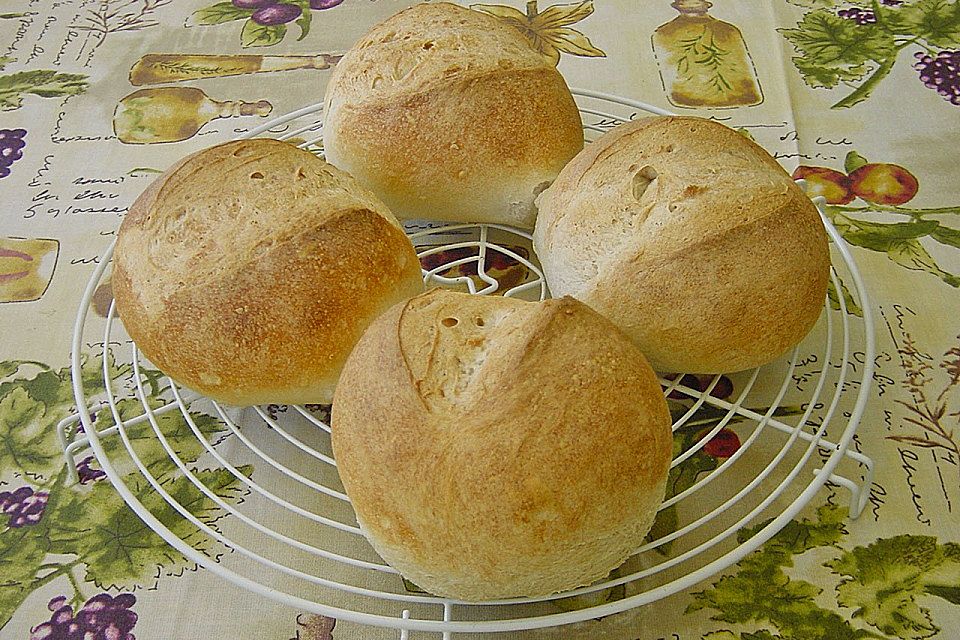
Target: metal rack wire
[[294, 538]]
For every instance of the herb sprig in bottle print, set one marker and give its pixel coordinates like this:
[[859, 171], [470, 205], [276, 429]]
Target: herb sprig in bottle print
[[704, 61]]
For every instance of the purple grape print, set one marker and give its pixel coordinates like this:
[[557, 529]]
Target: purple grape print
[[940, 72], [265, 23], [860, 16], [253, 4], [11, 148], [24, 507], [276, 14], [88, 474], [102, 617]]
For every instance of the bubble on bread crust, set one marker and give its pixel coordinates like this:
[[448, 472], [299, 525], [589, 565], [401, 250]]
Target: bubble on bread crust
[[450, 322], [426, 46], [256, 175], [479, 321], [642, 180]]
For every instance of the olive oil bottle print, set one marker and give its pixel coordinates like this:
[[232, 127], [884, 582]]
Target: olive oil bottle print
[[173, 114], [703, 61], [26, 267]]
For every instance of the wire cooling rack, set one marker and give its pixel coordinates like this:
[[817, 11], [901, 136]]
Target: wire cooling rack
[[765, 441]]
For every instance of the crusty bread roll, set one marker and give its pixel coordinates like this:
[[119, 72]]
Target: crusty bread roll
[[449, 114], [495, 448], [692, 239], [249, 270]]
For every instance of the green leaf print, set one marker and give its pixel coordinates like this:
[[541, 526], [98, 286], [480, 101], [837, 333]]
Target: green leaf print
[[814, 4], [825, 39], [853, 161], [175, 429], [821, 77], [834, 49], [304, 20], [27, 443], [87, 528], [882, 236], [883, 581], [761, 592], [8, 368], [260, 35], [950, 594], [947, 236], [43, 83], [851, 304], [121, 551], [936, 21], [912, 255], [219, 13], [21, 552]]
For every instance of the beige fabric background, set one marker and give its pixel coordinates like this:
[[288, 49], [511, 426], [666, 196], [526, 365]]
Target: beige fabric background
[[75, 180]]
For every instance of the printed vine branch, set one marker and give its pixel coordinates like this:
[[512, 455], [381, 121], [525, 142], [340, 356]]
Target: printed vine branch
[[929, 417], [116, 16]]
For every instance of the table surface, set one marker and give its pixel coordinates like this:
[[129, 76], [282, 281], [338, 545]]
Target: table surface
[[837, 86]]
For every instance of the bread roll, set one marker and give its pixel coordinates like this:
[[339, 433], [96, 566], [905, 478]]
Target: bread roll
[[248, 271], [692, 239], [495, 448], [449, 114]]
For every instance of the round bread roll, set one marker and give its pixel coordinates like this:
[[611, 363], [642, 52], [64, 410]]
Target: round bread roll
[[495, 448], [449, 114], [692, 239], [249, 270]]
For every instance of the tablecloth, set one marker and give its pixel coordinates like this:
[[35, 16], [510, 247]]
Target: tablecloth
[[98, 96]]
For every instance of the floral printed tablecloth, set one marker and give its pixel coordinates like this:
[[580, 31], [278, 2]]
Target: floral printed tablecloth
[[97, 96]]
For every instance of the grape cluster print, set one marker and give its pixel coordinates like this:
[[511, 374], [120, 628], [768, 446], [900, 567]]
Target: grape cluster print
[[24, 507], [858, 15], [852, 47], [941, 73], [79, 537], [11, 148], [102, 617], [264, 21]]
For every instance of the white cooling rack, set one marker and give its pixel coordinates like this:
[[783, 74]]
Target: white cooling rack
[[294, 538]]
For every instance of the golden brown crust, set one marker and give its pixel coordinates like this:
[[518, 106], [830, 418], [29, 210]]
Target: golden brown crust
[[249, 270], [543, 433], [692, 239], [468, 129]]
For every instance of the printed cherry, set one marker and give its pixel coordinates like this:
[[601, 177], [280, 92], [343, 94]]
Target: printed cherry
[[276, 14], [723, 389], [821, 181], [882, 183], [254, 4], [723, 445]]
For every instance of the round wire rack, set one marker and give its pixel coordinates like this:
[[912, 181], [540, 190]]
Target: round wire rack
[[253, 495]]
